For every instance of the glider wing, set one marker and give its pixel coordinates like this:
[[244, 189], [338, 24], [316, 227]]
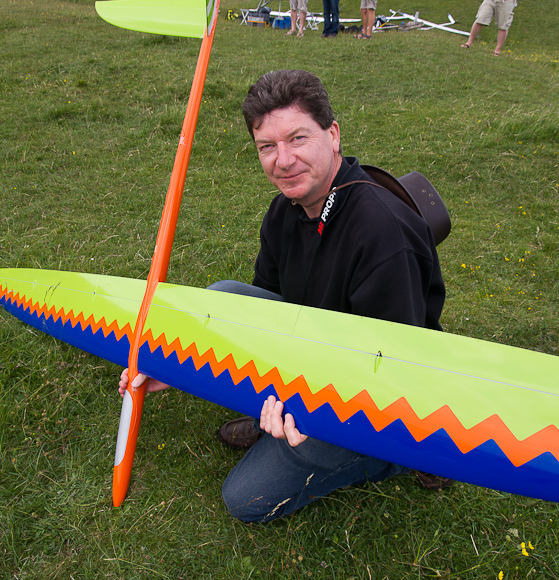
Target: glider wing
[[472, 410], [171, 17], [94, 313]]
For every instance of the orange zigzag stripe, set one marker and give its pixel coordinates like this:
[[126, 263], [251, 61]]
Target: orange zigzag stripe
[[61, 314], [519, 452], [492, 428]]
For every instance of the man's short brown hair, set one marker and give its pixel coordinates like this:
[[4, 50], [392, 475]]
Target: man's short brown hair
[[282, 89]]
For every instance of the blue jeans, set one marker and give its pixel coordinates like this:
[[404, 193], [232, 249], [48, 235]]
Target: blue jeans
[[331, 16], [274, 479]]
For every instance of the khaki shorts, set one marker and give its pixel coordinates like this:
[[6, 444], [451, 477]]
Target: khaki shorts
[[368, 4], [502, 10], [299, 5]]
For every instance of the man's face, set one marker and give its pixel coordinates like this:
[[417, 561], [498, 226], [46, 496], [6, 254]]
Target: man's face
[[298, 157]]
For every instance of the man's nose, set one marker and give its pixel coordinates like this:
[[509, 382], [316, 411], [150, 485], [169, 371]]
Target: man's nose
[[285, 156]]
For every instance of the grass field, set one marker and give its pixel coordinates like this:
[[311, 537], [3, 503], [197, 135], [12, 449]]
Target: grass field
[[90, 121]]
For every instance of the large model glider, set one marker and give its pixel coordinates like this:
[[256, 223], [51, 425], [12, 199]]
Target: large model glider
[[471, 410]]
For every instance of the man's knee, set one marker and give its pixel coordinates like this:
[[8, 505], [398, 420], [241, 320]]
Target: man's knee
[[223, 286], [241, 504], [236, 287]]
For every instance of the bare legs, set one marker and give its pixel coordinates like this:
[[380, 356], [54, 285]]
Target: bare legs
[[476, 29], [368, 17], [302, 22], [501, 37]]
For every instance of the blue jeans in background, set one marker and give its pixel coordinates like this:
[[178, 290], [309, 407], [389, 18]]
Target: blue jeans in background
[[331, 17], [274, 479]]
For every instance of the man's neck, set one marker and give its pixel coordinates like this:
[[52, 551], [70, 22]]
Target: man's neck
[[313, 210]]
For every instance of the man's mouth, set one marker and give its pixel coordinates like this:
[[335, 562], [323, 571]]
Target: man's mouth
[[289, 177]]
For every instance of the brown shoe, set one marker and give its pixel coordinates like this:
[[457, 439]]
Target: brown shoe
[[433, 482], [239, 433]]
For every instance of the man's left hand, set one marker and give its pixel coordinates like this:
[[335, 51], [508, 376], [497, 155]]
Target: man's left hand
[[272, 421]]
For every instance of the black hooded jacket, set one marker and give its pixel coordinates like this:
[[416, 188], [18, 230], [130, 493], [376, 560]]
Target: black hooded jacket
[[367, 254]]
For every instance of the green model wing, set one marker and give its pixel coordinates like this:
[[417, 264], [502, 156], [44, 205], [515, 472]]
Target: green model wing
[[170, 17]]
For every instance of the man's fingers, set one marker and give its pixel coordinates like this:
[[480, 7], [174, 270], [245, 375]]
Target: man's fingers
[[138, 380], [293, 435], [152, 385], [276, 420], [123, 383], [264, 415], [273, 422], [124, 380]]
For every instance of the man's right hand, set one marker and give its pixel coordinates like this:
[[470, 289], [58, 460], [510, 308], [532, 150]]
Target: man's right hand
[[152, 385], [273, 422]]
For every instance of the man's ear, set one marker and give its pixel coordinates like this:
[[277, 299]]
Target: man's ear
[[334, 131]]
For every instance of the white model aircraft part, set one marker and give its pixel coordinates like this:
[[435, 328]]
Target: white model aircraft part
[[315, 17], [430, 25], [394, 17], [451, 21]]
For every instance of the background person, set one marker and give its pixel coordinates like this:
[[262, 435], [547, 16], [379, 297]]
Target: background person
[[300, 5], [331, 9], [368, 16], [502, 11]]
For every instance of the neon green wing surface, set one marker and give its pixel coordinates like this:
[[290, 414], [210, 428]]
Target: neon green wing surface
[[468, 409], [170, 17]]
